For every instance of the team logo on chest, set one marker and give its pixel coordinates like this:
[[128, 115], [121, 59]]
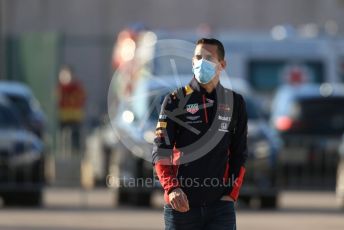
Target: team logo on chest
[[192, 108]]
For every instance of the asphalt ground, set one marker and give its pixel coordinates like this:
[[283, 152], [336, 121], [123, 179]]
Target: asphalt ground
[[76, 209]]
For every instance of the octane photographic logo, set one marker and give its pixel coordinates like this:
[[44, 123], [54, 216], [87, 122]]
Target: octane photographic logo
[[137, 91]]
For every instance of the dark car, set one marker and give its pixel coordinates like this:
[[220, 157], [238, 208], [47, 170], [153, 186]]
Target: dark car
[[28, 107], [261, 167], [21, 160], [310, 121], [135, 123]]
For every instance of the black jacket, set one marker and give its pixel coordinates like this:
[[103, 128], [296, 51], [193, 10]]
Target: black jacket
[[201, 143]]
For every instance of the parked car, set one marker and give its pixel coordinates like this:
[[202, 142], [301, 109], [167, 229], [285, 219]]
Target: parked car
[[27, 105], [340, 175], [100, 144], [261, 167], [310, 120], [135, 128], [21, 159]]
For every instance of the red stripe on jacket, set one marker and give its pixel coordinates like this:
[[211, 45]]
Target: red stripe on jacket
[[237, 184], [167, 170]]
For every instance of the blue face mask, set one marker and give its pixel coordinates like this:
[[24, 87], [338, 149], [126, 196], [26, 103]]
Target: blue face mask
[[204, 71]]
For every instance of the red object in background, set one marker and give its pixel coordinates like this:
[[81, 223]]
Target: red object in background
[[71, 101], [126, 45], [284, 123], [296, 75], [124, 48], [71, 95]]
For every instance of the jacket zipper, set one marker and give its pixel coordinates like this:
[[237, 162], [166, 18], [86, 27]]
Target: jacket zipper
[[205, 110]]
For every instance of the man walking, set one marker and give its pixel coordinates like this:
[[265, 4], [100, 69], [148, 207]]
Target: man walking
[[201, 146]]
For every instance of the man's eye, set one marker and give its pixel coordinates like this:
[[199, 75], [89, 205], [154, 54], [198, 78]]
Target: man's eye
[[209, 58], [198, 57]]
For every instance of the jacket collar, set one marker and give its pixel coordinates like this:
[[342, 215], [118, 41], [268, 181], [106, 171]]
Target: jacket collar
[[195, 85]]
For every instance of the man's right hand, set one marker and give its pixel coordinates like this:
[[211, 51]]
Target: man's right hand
[[178, 200]]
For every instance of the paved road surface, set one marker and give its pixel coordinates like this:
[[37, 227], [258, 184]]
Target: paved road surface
[[77, 210]]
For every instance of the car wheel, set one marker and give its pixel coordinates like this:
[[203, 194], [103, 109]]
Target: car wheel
[[38, 171], [269, 202], [245, 200], [142, 199], [123, 197], [133, 198], [31, 199]]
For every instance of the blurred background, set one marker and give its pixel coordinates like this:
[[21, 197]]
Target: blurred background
[[81, 83]]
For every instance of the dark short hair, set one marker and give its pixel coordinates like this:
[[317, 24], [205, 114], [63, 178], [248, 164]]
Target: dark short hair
[[217, 43]]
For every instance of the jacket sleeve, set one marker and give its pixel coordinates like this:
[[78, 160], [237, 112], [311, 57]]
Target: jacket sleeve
[[163, 146], [238, 150]]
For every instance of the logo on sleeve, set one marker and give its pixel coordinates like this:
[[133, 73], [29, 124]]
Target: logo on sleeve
[[161, 124], [162, 116]]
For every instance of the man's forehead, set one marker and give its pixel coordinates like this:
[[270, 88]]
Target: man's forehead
[[205, 49]]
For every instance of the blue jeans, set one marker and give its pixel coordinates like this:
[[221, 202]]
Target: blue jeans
[[217, 216]]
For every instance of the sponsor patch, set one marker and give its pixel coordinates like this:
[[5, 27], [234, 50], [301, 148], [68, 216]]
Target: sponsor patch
[[192, 108], [161, 124], [224, 118], [194, 122], [209, 100], [188, 90], [162, 116], [192, 118], [223, 127]]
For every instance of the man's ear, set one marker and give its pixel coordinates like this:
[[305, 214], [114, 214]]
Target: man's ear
[[223, 64]]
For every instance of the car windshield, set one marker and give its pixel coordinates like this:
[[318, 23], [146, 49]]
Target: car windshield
[[7, 118], [253, 112], [321, 115], [21, 103], [266, 75]]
